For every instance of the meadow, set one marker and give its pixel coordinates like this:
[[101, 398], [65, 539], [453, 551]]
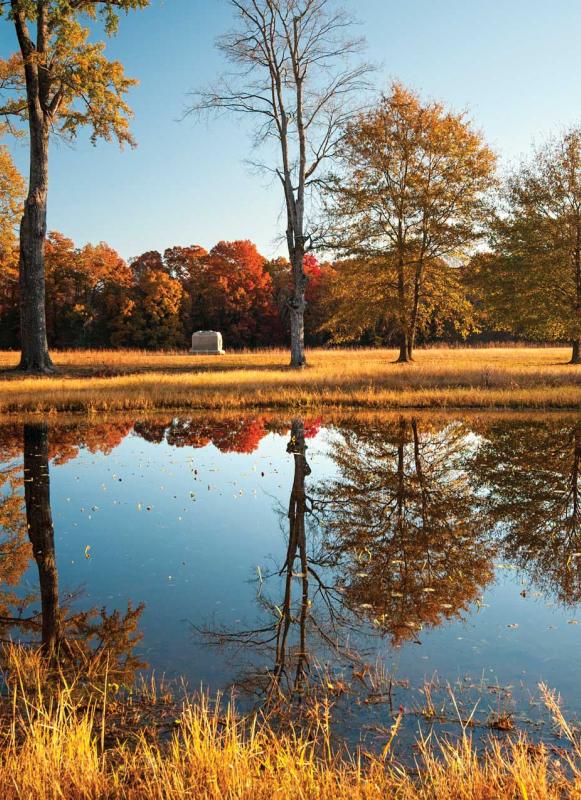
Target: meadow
[[130, 380]]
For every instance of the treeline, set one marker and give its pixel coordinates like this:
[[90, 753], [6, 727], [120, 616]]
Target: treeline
[[155, 301]]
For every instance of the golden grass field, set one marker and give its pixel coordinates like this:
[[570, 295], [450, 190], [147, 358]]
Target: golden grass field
[[101, 381], [66, 739]]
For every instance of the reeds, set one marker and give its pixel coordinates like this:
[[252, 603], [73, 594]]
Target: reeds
[[446, 378], [59, 741]]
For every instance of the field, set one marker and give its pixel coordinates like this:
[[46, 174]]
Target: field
[[99, 381]]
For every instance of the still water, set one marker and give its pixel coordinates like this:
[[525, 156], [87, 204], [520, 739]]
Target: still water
[[429, 564]]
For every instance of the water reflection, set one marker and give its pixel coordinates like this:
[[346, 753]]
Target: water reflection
[[394, 533], [41, 531], [90, 637], [308, 606], [531, 472], [405, 524]]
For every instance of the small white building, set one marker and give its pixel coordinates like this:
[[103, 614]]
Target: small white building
[[208, 343]]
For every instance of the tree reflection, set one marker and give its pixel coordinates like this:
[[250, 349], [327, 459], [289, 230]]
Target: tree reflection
[[14, 543], [310, 606], [41, 530], [394, 543], [532, 470], [405, 524], [89, 638]]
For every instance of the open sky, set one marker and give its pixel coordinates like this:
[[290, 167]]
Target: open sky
[[514, 64]]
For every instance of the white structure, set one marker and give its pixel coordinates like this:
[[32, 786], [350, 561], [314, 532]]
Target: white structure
[[208, 343]]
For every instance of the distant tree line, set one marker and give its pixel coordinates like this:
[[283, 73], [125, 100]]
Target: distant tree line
[[95, 298]]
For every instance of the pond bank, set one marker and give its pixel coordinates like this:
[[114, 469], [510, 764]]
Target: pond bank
[[74, 738]]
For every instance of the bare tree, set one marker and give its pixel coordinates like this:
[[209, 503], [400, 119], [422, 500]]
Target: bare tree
[[294, 74]]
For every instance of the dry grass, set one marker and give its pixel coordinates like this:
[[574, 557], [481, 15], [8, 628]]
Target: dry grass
[[445, 378], [61, 744]]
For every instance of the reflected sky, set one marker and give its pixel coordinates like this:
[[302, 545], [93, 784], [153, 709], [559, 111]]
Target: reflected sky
[[286, 555]]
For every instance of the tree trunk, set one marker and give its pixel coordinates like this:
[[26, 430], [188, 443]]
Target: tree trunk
[[576, 343], [34, 356], [41, 531], [415, 309], [297, 307], [404, 349], [404, 342]]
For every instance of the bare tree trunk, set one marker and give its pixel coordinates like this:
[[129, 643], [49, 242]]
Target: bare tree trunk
[[415, 310], [576, 355], [297, 307], [41, 531], [35, 357]]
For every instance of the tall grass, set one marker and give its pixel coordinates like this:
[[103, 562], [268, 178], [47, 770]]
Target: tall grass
[[61, 742], [447, 378]]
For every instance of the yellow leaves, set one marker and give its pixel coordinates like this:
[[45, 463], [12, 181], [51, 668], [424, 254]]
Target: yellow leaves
[[83, 87], [12, 189]]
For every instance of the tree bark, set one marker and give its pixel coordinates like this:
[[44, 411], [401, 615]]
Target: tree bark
[[41, 530], [35, 357], [297, 307], [576, 343], [404, 349], [404, 342]]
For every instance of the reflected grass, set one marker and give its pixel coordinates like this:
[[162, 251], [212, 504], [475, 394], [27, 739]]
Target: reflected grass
[[100, 381]]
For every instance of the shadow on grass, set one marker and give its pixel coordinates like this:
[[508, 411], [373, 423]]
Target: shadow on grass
[[63, 371]]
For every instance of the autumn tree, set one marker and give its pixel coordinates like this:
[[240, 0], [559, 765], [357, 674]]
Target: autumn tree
[[12, 190], [292, 74], [109, 281], [530, 284], [236, 297], [86, 290], [317, 293], [67, 286], [187, 264], [59, 81], [362, 305], [406, 205], [150, 316]]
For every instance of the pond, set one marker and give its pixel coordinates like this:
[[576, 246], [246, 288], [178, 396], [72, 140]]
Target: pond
[[423, 563]]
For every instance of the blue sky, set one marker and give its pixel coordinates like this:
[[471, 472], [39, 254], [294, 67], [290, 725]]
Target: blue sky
[[513, 64]]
